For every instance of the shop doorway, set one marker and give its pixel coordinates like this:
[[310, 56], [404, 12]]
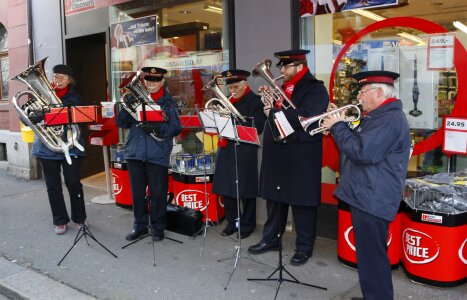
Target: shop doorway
[[87, 56]]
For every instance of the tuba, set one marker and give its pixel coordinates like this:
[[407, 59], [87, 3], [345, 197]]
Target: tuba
[[44, 98], [136, 88], [221, 104], [306, 122], [263, 69]]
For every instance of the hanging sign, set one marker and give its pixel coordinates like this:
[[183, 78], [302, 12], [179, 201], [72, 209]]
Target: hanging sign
[[441, 51], [455, 135]]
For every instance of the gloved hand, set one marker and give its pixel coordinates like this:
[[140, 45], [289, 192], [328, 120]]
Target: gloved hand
[[130, 100], [150, 127], [36, 116]]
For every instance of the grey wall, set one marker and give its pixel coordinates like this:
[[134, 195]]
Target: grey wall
[[262, 27], [47, 32]]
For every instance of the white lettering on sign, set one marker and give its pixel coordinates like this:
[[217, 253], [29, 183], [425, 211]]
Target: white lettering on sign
[[419, 247], [461, 252], [350, 241], [432, 218], [192, 199], [117, 186]]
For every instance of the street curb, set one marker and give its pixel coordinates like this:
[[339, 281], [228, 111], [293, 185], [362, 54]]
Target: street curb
[[10, 294]]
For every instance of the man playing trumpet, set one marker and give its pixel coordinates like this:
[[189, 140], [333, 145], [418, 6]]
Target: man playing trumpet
[[291, 167], [374, 157]]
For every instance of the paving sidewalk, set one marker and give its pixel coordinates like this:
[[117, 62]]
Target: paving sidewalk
[[27, 238]]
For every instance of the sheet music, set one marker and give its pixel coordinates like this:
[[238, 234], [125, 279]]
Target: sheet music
[[207, 119], [283, 124], [225, 127]]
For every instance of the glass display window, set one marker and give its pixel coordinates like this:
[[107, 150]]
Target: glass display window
[[403, 39]]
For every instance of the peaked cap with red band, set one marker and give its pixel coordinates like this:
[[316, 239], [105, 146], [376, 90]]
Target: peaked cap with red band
[[233, 76], [369, 77], [290, 56], [153, 73]]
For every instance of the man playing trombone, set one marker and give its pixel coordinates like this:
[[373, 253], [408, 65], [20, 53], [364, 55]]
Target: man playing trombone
[[374, 157], [291, 167], [249, 105]]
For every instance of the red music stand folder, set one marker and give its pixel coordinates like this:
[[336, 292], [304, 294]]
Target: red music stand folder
[[79, 114], [247, 134]]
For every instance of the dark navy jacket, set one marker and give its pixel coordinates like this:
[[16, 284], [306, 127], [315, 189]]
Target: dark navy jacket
[[140, 145], [224, 182], [294, 164], [375, 156], [41, 151]]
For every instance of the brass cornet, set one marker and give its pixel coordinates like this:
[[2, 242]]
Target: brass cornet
[[269, 96], [221, 104], [306, 122]]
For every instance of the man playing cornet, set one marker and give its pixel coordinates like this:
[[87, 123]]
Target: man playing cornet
[[374, 157], [291, 167]]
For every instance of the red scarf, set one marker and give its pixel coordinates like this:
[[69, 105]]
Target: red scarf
[[157, 95], [60, 92], [289, 85], [234, 100]]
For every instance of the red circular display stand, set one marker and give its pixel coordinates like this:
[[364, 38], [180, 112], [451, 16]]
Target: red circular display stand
[[121, 185], [346, 243], [434, 247]]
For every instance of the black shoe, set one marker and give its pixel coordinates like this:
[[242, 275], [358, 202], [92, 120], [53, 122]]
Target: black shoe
[[262, 247], [244, 234], [300, 258], [135, 234], [228, 231], [158, 235]]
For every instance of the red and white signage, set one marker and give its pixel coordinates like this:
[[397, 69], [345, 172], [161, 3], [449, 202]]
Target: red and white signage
[[441, 51], [194, 199], [419, 247], [455, 135]]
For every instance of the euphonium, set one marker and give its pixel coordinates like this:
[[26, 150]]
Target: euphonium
[[136, 88], [221, 104], [305, 122], [44, 98], [269, 96]]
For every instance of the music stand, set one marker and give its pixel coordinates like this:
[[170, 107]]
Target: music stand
[[148, 199], [227, 127], [208, 124], [280, 267], [72, 118]]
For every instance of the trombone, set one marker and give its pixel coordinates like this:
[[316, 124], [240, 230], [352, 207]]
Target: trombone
[[306, 122]]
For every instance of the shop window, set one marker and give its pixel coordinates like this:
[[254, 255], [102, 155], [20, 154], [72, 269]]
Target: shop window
[[190, 43], [4, 66], [428, 94]]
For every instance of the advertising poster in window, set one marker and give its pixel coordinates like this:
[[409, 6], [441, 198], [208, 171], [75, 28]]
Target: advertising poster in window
[[418, 88], [137, 32], [384, 59]]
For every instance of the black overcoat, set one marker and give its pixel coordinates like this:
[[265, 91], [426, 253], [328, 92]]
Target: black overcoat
[[294, 163], [247, 155]]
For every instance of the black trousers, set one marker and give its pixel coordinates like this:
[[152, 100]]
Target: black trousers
[[143, 175], [51, 169], [247, 213], [305, 224], [374, 268]]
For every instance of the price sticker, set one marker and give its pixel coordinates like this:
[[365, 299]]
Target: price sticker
[[441, 40], [456, 124]]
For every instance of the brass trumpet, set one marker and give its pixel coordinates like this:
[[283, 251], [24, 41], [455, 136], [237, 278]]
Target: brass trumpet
[[221, 104], [306, 122], [269, 96]]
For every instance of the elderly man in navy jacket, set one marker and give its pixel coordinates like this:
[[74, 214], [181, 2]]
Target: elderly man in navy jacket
[[374, 167], [148, 158]]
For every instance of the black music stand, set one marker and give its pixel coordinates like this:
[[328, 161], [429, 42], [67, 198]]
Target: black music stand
[[280, 267], [208, 125], [83, 229], [226, 127], [151, 228]]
